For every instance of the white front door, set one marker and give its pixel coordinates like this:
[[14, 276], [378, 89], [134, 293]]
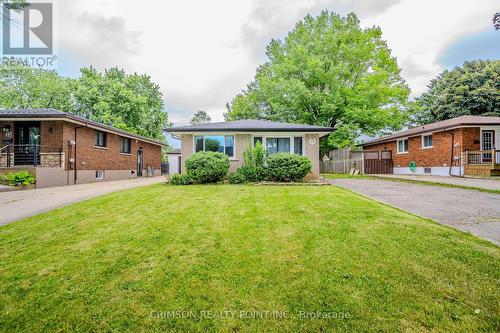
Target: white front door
[[487, 143]]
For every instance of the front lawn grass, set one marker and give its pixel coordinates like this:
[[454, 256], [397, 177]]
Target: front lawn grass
[[298, 258]]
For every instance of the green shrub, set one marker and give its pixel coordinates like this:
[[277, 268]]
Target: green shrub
[[254, 159], [207, 167], [286, 167], [178, 179], [237, 178], [23, 178]]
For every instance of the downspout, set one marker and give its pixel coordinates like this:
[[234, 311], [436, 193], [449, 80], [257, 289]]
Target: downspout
[[451, 154], [74, 157]]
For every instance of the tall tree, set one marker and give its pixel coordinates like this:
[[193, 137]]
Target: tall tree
[[473, 89], [26, 87], [200, 117], [328, 71], [130, 102]]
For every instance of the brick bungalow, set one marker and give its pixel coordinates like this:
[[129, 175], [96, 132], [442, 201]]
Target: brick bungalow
[[458, 146], [63, 149], [233, 137]]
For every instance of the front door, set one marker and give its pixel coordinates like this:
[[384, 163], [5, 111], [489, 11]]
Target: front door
[[140, 162], [487, 143], [27, 143]]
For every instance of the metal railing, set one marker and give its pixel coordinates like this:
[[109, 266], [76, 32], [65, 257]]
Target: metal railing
[[483, 157], [30, 155]]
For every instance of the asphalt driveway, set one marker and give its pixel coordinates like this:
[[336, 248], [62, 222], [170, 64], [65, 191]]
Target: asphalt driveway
[[21, 204], [466, 210]]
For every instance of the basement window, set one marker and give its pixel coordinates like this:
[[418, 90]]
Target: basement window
[[99, 174]]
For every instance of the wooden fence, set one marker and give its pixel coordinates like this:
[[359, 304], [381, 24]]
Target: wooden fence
[[342, 161]]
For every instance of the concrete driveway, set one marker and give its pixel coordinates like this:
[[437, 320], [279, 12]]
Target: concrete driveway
[[21, 204], [466, 210]]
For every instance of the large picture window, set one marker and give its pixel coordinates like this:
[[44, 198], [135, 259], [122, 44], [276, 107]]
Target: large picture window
[[217, 143], [277, 145]]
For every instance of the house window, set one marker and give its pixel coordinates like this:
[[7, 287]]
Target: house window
[[99, 174], [277, 145], [297, 145], [403, 146], [426, 141], [125, 146], [100, 139], [257, 139], [218, 143]]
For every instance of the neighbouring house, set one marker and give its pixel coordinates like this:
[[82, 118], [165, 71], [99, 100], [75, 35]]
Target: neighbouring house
[[63, 149], [233, 137], [465, 145], [174, 161]]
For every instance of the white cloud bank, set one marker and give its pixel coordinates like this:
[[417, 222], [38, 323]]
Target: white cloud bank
[[202, 53]]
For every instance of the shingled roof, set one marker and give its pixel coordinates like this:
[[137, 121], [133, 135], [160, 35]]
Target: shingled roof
[[60, 115], [439, 126], [250, 125]]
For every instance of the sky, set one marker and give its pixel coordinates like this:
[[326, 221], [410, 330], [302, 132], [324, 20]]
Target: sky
[[202, 53]]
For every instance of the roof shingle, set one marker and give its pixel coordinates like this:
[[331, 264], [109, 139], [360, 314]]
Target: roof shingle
[[251, 125], [438, 126]]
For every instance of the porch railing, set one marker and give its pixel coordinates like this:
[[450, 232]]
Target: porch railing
[[483, 157], [13, 155]]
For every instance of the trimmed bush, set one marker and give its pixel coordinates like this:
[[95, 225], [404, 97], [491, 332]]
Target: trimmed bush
[[178, 179], [286, 167], [21, 178], [207, 167], [237, 178]]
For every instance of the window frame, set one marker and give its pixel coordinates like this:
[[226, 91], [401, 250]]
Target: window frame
[[407, 146], [129, 152], [204, 135], [290, 135], [97, 177], [104, 137], [423, 141]]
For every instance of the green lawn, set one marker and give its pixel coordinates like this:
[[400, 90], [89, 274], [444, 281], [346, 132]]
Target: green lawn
[[275, 253]]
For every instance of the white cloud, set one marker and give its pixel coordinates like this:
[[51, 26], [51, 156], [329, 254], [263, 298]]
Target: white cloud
[[202, 53]]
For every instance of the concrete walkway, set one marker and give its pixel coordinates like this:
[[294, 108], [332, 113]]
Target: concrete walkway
[[17, 205], [489, 184], [467, 210]]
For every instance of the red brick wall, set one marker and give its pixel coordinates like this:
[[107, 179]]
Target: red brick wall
[[51, 135], [109, 158], [437, 156]]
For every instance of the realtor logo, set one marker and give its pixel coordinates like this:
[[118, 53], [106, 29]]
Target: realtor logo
[[28, 29]]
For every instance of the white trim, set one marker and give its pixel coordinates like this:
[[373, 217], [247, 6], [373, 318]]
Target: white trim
[[291, 137], [422, 143], [407, 146], [231, 158]]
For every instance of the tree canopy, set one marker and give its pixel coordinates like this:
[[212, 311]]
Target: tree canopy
[[328, 71], [200, 117], [26, 87], [473, 89], [127, 101]]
